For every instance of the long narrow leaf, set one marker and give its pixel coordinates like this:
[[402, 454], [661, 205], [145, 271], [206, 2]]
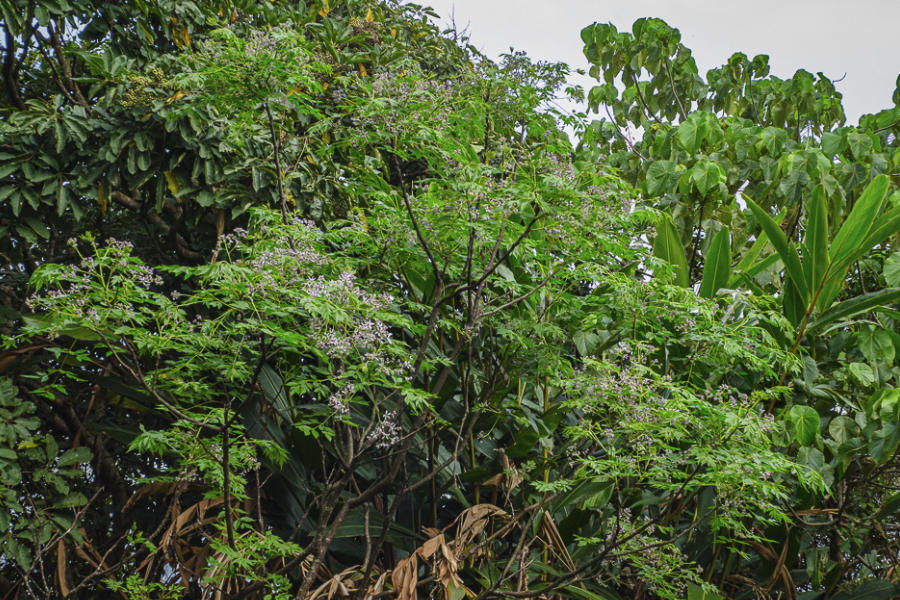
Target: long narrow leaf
[[817, 239], [763, 265], [668, 247], [885, 227], [788, 253], [855, 229], [717, 270], [747, 261], [794, 308], [855, 306]]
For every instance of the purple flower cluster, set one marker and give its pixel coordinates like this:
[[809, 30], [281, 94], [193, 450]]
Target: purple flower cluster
[[365, 337], [339, 400], [345, 292], [387, 433]]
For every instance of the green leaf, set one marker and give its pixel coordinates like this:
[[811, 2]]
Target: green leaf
[[75, 455], [843, 428], [811, 458], [667, 246], [859, 144], [806, 421], [717, 270], [695, 592], [817, 238], [661, 176], [855, 306], [876, 589], [793, 184], [833, 144], [794, 307], [876, 344], [856, 227], [863, 373], [891, 270], [706, 175], [774, 140], [788, 254], [72, 501], [760, 243], [585, 342], [691, 134]]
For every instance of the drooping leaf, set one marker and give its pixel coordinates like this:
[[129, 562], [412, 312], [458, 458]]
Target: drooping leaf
[[667, 246], [817, 239], [855, 229], [788, 254], [717, 270], [855, 306]]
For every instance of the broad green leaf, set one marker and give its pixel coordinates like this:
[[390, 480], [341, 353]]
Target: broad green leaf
[[774, 139], [892, 270], [788, 253], [793, 184], [817, 239], [667, 246], [806, 421], [717, 270], [661, 176], [811, 458], [833, 144], [855, 306], [863, 373], [875, 343], [859, 144], [691, 134], [843, 428], [706, 175], [585, 342]]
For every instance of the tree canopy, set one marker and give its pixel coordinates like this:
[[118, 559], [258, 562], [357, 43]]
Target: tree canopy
[[311, 300]]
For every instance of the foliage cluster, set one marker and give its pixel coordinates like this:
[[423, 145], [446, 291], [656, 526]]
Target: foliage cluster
[[310, 300]]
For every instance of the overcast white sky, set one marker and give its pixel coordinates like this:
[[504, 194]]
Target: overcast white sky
[[856, 37]]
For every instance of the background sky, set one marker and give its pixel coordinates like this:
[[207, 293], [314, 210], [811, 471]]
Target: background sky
[[856, 37]]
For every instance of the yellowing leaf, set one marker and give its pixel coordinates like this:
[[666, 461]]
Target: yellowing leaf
[[27, 444], [326, 138], [362, 70], [178, 96], [146, 32], [101, 199], [311, 159], [173, 183], [369, 16], [393, 33], [325, 10]]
